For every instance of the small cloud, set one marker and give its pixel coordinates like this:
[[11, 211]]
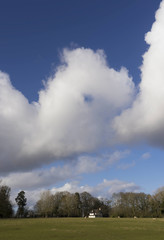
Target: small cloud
[[146, 155], [117, 156], [127, 165]]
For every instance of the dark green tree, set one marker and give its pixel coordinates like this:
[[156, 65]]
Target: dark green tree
[[105, 207], [77, 205], [21, 201], [5, 204], [86, 203]]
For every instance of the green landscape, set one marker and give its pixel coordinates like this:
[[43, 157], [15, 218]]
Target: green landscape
[[82, 229], [64, 215]]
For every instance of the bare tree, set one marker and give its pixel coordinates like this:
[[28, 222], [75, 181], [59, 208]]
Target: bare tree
[[45, 205]]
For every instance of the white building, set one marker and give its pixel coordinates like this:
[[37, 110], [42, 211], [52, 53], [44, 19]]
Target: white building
[[95, 213]]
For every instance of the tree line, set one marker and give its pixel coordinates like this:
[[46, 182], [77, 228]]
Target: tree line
[[131, 204], [65, 204]]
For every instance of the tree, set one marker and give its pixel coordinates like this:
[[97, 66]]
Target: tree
[[57, 202], [45, 206], [65, 207], [67, 204], [159, 199], [105, 207], [77, 205], [5, 204], [155, 208], [21, 201], [86, 203], [72, 205], [131, 204]]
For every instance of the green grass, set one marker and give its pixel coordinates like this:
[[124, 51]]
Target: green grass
[[81, 229]]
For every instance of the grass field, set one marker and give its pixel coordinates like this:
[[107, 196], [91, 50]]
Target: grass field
[[81, 229]]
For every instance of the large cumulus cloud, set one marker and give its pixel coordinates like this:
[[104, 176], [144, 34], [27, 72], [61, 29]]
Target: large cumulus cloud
[[86, 105], [72, 116], [144, 121]]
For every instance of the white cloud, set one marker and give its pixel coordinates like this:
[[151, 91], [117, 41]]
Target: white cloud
[[103, 189], [72, 116], [117, 156], [17, 119], [146, 155], [73, 169], [109, 187], [88, 164], [144, 121], [71, 187], [38, 178]]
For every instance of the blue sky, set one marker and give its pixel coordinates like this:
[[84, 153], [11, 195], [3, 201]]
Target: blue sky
[[34, 32], [76, 111]]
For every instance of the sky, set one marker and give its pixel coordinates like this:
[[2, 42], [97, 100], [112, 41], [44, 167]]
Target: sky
[[81, 96]]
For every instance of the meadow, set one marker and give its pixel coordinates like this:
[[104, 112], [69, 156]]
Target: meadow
[[82, 229]]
